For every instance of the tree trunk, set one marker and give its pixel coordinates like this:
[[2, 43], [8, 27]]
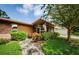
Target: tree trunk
[[68, 34]]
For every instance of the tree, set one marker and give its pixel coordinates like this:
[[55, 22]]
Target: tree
[[76, 29], [66, 15], [3, 14]]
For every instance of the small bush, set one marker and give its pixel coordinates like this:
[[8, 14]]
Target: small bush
[[49, 35], [3, 41], [36, 36], [18, 35], [56, 34]]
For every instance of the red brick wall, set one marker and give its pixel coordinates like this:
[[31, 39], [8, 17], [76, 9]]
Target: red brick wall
[[5, 28]]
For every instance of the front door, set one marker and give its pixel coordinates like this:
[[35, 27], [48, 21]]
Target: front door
[[38, 30]]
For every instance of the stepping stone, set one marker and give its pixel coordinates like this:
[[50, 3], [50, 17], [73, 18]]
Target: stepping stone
[[29, 49], [32, 50]]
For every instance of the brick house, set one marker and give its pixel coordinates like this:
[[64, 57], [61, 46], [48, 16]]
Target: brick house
[[7, 25]]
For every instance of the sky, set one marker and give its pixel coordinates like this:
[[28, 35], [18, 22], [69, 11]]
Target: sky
[[27, 13]]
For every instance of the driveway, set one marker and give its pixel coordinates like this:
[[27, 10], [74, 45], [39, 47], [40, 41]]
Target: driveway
[[72, 36], [63, 33]]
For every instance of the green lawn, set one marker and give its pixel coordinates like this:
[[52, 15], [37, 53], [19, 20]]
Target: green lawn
[[76, 33], [59, 47], [11, 48]]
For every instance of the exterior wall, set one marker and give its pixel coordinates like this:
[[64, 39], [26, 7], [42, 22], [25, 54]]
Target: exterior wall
[[27, 29], [48, 27], [61, 30], [5, 28]]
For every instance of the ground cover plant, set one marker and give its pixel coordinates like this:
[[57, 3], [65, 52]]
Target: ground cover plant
[[59, 47], [11, 48]]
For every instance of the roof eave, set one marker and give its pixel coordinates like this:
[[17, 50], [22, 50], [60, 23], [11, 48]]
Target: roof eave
[[10, 20]]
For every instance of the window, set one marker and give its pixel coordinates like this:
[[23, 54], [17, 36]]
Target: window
[[14, 27], [38, 29]]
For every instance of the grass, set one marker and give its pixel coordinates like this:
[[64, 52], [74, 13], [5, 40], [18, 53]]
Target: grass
[[11, 48], [59, 47], [76, 33]]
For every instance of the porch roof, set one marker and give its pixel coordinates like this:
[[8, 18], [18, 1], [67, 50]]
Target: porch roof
[[41, 22]]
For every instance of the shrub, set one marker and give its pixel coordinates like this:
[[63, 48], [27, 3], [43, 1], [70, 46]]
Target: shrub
[[56, 34], [36, 36], [49, 35], [3, 41], [18, 35]]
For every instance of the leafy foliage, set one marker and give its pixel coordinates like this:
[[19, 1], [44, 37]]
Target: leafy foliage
[[49, 35], [3, 14], [36, 36], [76, 29], [18, 35], [66, 15]]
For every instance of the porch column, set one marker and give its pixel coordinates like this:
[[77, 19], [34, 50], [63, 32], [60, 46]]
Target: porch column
[[45, 28]]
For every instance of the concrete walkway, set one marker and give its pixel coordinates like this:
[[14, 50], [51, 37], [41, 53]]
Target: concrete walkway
[[75, 37], [29, 49]]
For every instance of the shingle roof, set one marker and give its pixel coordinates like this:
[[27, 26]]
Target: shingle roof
[[18, 22], [10, 20]]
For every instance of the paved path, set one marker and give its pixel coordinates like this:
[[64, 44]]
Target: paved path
[[29, 49], [73, 36]]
